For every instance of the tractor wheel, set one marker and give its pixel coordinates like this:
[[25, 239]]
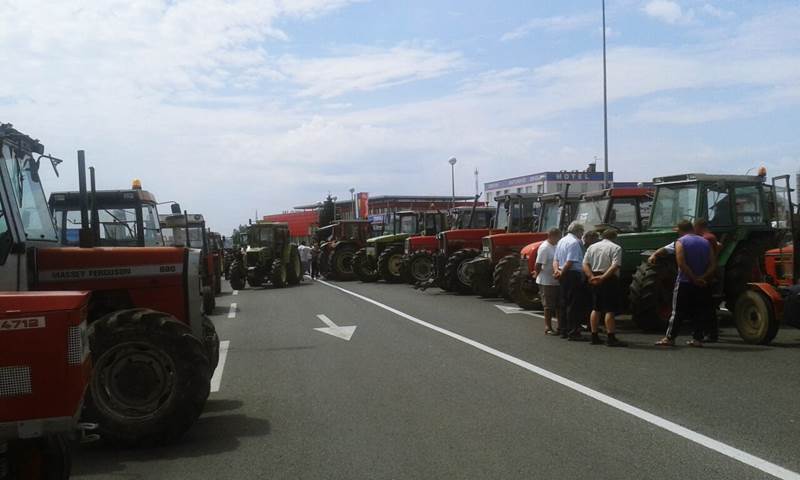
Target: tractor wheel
[[454, 275], [744, 266], [390, 263], [341, 263], [755, 318], [651, 295], [150, 379], [295, 269], [482, 285], [524, 291], [211, 342], [278, 275], [237, 275], [209, 302], [44, 458], [364, 266], [419, 266], [255, 280], [503, 271]]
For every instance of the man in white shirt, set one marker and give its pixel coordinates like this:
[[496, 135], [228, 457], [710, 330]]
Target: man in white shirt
[[305, 256], [601, 266], [549, 288]]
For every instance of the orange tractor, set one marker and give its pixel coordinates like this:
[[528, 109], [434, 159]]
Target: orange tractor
[[152, 348]]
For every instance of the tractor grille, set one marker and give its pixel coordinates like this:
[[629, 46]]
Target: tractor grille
[[15, 381], [75, 344], [252, 258]]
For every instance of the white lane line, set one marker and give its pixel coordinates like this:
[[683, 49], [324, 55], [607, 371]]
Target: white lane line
[[232, 311], [216, 380], [236, 292], [708, 442]]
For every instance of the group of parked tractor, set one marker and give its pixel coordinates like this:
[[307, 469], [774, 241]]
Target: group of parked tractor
[[103, 307], [491, 252]]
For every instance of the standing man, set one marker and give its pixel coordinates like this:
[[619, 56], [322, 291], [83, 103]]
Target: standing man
[[701, 228], [568, 270], [548, 285], [692, 295], [601, 265], [315, 261], [305, 257]]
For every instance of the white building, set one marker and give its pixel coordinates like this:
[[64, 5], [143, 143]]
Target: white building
[[548, 182]]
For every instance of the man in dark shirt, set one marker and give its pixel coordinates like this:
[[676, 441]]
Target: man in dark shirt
[[692, 295]]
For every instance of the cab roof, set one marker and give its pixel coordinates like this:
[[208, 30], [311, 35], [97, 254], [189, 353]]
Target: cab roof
[[177, 220], [72, 200], [626, 192], [702, 177]]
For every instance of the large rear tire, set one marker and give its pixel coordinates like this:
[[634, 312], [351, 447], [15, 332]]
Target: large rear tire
[[419, 267], [211, 343], [341, 262], [209, 300], [278, 275], [454, 275], [364, 267], [150, 379], [44, 458], [651, 294], [503, 271], [237, 275], [295, 269], [482, 285], [390, 265], [755, 318], [524, 290]]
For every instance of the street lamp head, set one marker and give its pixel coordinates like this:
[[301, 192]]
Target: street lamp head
[[452, 160], [352, 190]]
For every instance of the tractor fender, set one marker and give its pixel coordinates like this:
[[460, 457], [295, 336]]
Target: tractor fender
[[480, 266], [529, 253]]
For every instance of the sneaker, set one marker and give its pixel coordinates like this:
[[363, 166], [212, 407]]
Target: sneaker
[[563, 334], [612, 341], [596, 339], [695, 343], [665, 342]]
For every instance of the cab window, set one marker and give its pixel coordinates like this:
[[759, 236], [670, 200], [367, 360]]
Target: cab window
[[749, 210], [718, 206], [623, 215], [5, 235]]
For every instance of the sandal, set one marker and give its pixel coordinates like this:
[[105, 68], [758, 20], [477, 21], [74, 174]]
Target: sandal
[[695, 343], [665, 342]]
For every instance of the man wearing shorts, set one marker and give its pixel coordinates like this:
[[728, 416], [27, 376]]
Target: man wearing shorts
[[601, 266], [549, 288]]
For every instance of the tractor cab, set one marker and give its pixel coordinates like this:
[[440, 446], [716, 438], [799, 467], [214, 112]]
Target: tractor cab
[[382, 257], [516, 212], [431, 223], [124, 217], [624, 209], [555, 211], [742, 211], [462, 217]]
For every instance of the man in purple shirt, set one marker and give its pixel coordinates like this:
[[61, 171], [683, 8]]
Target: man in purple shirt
[[691, 298]]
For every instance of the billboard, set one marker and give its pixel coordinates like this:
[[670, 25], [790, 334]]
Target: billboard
[[363, 204]]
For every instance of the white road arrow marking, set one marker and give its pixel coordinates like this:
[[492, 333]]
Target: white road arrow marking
[[509, 310], [345, 333]]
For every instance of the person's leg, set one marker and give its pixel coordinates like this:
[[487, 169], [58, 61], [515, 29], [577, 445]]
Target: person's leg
[[701, 309], [576, 305], [564, 297], [678, 312]]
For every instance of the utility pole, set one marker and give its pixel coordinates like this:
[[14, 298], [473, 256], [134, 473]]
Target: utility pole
[[452, 163], [605, 103], [476, 181]]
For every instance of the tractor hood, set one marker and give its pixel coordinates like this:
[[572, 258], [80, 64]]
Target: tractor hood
[[396, 238], [634, 245], [256, 249]]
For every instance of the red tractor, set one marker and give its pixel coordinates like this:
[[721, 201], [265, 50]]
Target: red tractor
[[418, 250], [625, 209], [189, 230], [45, 369], [519, 225], [339, 243], [759, 311], [459, 245], [152, 348]]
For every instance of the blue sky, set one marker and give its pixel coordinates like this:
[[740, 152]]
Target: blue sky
[[235, 106]]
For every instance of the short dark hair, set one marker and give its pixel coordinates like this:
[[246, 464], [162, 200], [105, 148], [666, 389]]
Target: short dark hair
[[610, 233], [700, 223], [685, 226], [555, 231]]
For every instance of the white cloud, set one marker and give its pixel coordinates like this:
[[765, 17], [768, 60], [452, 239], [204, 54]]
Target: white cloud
[[668, 11], [551, 24], [717, 12], [368, 70]]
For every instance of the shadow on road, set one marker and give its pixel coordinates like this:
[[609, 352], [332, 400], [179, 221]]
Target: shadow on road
[[211, 435]]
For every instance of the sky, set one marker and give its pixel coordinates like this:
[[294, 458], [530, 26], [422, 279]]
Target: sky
[[242, 106]]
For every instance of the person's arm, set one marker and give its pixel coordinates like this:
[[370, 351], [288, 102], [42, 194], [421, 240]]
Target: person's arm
[[665, 250], [712, 267], [680, 258], [616, 263], [587, 270]]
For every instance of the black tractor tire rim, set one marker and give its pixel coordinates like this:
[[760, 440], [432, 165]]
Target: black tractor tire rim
[[463, 273], [133, 380]]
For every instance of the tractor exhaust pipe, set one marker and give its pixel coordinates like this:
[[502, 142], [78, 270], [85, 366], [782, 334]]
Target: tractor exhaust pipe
[[85, 236], [472, 213], [94, 217], [186, 229]]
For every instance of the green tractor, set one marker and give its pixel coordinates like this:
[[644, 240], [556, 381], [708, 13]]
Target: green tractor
[[339, 242], [382, 257], [268, 256], [741, 212]]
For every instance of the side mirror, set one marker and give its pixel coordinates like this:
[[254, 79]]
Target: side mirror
[[176, 208]]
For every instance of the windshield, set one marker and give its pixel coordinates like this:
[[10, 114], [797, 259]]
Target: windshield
[[550, 216], [673, 204], [501, 218], [152, 233], [178, 237], [119, 226], [30, 198], [592, 213], [408, 224]]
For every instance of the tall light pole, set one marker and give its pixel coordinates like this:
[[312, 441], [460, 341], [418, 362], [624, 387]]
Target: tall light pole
[[452, 163], [353, 199], [605, 103]]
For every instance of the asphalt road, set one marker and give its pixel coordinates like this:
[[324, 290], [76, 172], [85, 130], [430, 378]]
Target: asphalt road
[[434, 385]]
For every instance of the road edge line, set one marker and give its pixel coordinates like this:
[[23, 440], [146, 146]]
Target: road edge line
[[216, 379]]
